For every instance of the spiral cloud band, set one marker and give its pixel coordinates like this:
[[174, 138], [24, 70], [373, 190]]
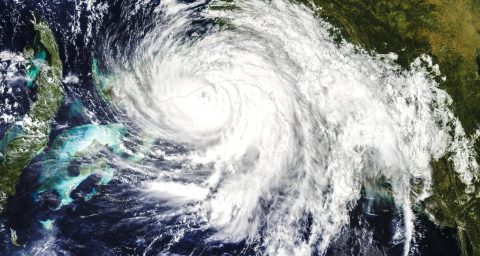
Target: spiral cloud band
[[282, 123]]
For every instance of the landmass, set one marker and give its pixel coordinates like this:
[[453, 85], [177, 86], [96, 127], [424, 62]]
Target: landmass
[[448, 31], [30, 133]]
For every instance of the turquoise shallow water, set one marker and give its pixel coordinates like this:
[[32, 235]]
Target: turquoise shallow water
[[74, 143]]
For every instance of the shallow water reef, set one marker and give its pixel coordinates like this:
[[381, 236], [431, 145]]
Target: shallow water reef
[[30, 133], [79, 143], [449, 31]]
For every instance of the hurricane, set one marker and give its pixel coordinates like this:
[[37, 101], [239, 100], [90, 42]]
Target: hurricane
[[247, 125], [282, 124]]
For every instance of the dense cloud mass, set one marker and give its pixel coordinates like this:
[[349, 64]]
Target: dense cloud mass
[[291, 124]]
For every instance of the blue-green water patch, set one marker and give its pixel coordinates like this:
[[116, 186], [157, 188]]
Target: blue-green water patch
[[35, 66], [90, 195], [103, 81], [47, 224], [77, 140], [75, 143]]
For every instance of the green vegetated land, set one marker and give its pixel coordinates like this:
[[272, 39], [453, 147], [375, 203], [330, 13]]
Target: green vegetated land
[[29, 135], [449, 31]]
